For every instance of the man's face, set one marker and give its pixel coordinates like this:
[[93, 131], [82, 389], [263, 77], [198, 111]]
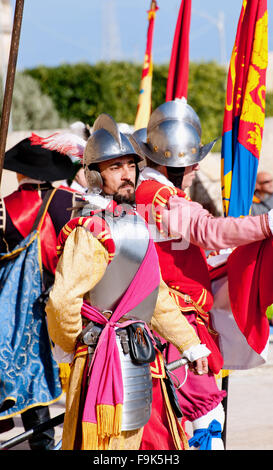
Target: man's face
[[189, 175], [264, 183], [119, 176]]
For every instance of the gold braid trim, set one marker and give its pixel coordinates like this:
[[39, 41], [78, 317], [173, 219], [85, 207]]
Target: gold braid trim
[[159, 200], [202, 317]]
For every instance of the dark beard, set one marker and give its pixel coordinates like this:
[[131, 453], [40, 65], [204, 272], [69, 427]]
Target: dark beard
[[124, 199]]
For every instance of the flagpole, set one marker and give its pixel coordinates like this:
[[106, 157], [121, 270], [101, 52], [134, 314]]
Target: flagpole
[[244, 117], [7, 101]]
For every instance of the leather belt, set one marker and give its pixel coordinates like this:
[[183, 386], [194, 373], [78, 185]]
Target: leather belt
[[107, 314]]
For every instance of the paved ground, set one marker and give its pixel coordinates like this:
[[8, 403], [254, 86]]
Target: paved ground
[[249, 416], [250, 411]]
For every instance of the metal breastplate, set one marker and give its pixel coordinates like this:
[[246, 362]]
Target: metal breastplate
[[136, 378], [131, 238], [137, 390]]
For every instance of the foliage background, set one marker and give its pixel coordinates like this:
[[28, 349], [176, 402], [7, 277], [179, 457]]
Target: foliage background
[[52, 97]]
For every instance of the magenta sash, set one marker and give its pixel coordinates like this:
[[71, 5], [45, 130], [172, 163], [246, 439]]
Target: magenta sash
[[105, 385]]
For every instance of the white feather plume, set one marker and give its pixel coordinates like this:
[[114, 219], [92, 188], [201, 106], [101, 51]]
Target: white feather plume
[[66, 143]]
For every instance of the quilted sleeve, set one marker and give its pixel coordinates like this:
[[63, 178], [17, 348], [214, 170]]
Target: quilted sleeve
[[81, 265]]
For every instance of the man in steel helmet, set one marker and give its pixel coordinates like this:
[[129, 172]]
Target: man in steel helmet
[[172, 147], [107, 292]]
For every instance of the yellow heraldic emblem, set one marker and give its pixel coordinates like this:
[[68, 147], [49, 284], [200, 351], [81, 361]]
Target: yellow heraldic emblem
[[232, 75], [226, 189], [254, 100]]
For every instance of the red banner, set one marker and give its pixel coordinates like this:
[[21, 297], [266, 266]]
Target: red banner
[[177, 84], [244, 109]]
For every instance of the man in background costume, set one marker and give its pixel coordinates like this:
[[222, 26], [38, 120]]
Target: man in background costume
[[79, 183], [36, 169], [263, 195], [172, 146], [107, 293]]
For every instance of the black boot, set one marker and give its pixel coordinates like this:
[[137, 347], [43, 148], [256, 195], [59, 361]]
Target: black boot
[[33, 417]]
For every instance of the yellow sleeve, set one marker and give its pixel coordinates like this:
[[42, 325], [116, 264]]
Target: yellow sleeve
[[170, 323], [81, 265]]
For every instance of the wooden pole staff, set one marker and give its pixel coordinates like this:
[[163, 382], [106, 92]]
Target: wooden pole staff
[[15, 38]]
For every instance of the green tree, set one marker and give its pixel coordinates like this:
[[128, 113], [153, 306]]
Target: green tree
[[30, 108], [269, 104], [82, 91], [206, 94]]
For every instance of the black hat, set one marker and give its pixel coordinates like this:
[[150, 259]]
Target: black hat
[[39, 163]]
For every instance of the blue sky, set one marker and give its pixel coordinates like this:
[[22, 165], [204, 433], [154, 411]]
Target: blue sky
[[69, 31]]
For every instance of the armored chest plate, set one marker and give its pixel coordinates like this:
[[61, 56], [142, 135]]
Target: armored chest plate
[[131, 238]]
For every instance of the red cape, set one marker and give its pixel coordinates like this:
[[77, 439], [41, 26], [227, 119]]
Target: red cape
[[249, 270]]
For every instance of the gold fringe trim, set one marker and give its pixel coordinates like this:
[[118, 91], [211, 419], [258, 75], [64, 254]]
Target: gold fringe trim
[[90, 436], [109, 420], [97, 436]]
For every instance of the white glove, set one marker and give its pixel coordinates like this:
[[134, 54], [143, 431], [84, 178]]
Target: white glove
[[196, 352], [270, 220]]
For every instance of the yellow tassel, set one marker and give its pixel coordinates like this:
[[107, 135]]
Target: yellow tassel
[[105, 420], [64, 373], [96, 436], [117, 420], [90, 436], [109, 420]]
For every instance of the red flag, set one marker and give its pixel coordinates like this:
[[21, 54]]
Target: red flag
[[245, 108], [243, 290], [177, 84], [145, 94]]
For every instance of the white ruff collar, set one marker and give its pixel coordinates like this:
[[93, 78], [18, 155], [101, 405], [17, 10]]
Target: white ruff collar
[[148, 173]]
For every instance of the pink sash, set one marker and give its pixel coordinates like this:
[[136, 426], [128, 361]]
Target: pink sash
[[105, 388]]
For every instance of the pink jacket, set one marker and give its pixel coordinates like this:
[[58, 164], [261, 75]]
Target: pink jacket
[[195, 224]]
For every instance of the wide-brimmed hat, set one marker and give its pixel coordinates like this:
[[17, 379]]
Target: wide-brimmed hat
[[39, 163]]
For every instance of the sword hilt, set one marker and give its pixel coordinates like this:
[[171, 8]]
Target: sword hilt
[[175, 364]]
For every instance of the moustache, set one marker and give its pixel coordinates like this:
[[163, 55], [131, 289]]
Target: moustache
[[126, 183]]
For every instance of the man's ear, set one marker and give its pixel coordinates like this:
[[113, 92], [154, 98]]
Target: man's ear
[[94, 179]]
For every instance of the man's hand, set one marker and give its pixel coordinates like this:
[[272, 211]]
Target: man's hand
[[200, 366]]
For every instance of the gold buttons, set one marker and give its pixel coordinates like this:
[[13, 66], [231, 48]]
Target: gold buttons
[[193, 150], [167, 154], [155, 148], [181, 154]]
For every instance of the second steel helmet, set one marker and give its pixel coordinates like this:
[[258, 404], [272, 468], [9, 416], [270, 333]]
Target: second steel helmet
[[173, 136]]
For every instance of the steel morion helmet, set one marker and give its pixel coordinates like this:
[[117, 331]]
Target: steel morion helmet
[[173, 136], [105, 143]]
